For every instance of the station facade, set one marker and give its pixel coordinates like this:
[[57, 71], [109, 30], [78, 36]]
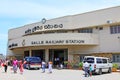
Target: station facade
[[70, 38]]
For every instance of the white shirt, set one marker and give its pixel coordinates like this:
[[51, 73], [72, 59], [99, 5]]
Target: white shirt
[[43, 63], [86, 64]]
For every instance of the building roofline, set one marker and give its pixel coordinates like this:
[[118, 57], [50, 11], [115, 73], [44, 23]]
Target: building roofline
[[96, 10], [68, 16]]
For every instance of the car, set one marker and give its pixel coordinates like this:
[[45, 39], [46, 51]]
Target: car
[[32, 62], [99, 64]]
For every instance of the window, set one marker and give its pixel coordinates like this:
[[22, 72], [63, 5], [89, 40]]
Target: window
[[34, 59], [99, 60], [104, 60], [116, 58], [89, 60], [62, 31], [115, 29], [82, 57], [88, 30], [101, 28], [109, 60], [48, 32]]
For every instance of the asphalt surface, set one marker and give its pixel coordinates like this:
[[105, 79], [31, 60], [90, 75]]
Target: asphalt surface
[[64, 74]]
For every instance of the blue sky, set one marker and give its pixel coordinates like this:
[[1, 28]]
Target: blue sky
[[16, 13]]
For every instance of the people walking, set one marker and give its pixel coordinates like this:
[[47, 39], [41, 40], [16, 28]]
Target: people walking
[[15, 65], [0, 62], [21, 66], [90, 70], [50, 67], [5, 65], [61, 66], [86, 68], [58, 62], [55, 62], [43, 66]]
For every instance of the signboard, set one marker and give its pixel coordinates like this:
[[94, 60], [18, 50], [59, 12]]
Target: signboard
[[52, 42], [43, 27]]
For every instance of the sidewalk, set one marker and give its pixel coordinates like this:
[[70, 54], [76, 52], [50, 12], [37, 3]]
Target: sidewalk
[[10, 75], [63, 74]]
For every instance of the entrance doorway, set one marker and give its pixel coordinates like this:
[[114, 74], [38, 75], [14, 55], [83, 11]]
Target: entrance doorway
[[59, 54], [26, 54], [39, 53]]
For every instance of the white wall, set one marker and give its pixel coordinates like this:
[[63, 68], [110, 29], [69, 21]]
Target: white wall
[[109, 42], [89, 39], [104, 41], [94, 18]]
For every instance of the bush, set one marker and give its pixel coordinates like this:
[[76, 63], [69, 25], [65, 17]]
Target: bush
[[71, 63], [115, 66], [80, 64], [65, 62]]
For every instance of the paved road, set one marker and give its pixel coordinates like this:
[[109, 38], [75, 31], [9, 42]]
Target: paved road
[[56, 75]]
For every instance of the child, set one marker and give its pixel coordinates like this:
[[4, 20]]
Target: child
[[90, 70]]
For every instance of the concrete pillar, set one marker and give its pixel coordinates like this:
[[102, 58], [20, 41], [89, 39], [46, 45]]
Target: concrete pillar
[[70, 57], [30, 52], [46, 55]]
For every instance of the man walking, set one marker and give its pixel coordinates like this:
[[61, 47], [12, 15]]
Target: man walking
[[43, 66], [6, 65], [86, 67]]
